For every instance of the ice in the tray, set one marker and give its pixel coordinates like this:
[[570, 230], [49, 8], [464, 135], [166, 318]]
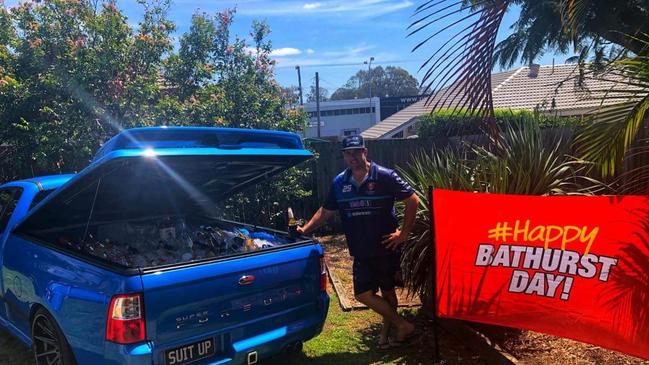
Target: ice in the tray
[[150, 244]]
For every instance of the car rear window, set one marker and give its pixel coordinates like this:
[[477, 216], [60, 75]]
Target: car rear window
[[39, 197], [8, 201]]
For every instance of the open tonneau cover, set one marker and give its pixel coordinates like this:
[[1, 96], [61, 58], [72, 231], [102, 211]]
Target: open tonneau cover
[[157, 172], [167, 170]]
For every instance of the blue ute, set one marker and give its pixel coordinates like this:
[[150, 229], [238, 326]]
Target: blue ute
[[131, 261]]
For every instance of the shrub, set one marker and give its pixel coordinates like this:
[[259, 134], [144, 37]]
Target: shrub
[[446, 123]]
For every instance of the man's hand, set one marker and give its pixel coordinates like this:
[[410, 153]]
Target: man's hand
[[318, 219], [395, 239]]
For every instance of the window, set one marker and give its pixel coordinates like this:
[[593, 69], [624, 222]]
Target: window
[[8, 201], [398, 135], [350, 132]]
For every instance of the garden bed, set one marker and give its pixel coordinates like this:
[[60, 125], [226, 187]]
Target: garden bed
[[533, 348]]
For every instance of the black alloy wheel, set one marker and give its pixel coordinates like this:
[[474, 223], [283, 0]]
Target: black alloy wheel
[[48, 343]]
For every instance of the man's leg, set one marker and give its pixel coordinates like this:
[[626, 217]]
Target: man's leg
[[367, 280], [391, 297], [384, 308]]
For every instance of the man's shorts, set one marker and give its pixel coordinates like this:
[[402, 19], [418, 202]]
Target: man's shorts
[[375, 273]]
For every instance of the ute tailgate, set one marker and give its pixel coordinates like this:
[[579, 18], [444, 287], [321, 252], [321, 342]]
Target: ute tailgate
[[231, 300]]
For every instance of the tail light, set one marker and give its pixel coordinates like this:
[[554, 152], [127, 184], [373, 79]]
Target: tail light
[[125, 322], [323, 275]]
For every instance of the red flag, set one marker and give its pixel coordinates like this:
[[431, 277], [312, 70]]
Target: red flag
[[570, 266]]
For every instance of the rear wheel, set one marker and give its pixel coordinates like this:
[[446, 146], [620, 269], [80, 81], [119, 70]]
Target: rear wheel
[[48, 343]]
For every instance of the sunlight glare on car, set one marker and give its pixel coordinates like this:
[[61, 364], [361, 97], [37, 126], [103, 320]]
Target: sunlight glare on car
[[149, 152]]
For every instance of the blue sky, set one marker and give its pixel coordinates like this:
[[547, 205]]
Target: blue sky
[[332, 37]]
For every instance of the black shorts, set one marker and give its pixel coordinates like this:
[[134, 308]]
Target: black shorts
[[375, 273]]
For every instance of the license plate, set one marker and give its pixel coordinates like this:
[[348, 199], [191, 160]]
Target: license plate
[[190, 353]]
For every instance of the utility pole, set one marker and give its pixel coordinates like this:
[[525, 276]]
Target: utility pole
[[369, 78], [369, 75], [299, 81], [317, 100]]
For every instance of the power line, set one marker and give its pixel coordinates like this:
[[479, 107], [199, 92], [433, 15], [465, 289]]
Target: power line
[[327, 83], [351, 64]]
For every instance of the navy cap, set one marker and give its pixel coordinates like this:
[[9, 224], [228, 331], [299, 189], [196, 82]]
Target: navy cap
[[353, 142]]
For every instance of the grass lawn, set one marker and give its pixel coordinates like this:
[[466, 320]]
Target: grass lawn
[[350, 338]]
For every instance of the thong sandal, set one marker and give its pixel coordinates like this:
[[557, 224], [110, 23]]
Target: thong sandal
[[407, 341], [384, 346]]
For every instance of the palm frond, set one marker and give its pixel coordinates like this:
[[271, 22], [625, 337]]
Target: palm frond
[[458, 73], [614, 128], [572, 15], [611, 134]]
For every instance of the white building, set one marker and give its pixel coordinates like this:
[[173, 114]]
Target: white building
[[340, 118]]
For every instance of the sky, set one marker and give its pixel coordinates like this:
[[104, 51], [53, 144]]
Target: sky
[[331, 37]]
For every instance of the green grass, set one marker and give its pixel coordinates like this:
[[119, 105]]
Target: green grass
[[350, 338]]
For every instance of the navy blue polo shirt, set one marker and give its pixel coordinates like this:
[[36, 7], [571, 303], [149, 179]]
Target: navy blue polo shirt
[[367, 211]]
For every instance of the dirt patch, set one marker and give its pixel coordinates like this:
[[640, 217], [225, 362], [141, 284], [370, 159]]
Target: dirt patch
[[340, 263], [533, 348]]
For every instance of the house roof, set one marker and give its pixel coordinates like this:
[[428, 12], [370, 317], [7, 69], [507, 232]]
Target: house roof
[[552, 89]]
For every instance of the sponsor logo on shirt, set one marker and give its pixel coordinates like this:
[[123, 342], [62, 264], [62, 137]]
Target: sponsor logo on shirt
[[356, 214], [360, 204]]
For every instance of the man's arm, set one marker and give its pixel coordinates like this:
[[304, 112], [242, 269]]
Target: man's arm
[[319, 218], [412, 203], [395, 239]]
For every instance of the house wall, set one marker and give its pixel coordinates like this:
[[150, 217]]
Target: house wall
[[342, 117]]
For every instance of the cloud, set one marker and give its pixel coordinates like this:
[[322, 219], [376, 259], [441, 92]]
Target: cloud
[[354, 9], [349, 51], [286, 51], [310, 6], [310, 51], [348, 56], [278, 52]]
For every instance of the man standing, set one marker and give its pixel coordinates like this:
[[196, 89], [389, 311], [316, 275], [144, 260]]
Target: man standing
[[364, 194]]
